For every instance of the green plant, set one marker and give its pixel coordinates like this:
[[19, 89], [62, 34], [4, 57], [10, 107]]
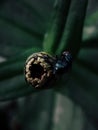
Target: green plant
[[64, 33]]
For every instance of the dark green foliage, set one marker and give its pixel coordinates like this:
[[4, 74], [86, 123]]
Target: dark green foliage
[[23, 25]]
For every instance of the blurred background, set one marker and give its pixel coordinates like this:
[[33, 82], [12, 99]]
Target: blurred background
[[23, 24]]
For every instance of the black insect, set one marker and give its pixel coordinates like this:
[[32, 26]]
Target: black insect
[[62, 63]]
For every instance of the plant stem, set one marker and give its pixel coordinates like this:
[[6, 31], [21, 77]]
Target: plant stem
[[52, 38]]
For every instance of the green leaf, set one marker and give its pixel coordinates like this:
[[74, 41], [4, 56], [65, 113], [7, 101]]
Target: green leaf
[[12, 79], [71, 38], [20, 31], [56, 27], [22, 25], [17, 39], [14, 87], [15, 66]]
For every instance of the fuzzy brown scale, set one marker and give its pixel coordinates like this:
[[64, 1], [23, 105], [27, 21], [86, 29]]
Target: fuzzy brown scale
[[39, 69]]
